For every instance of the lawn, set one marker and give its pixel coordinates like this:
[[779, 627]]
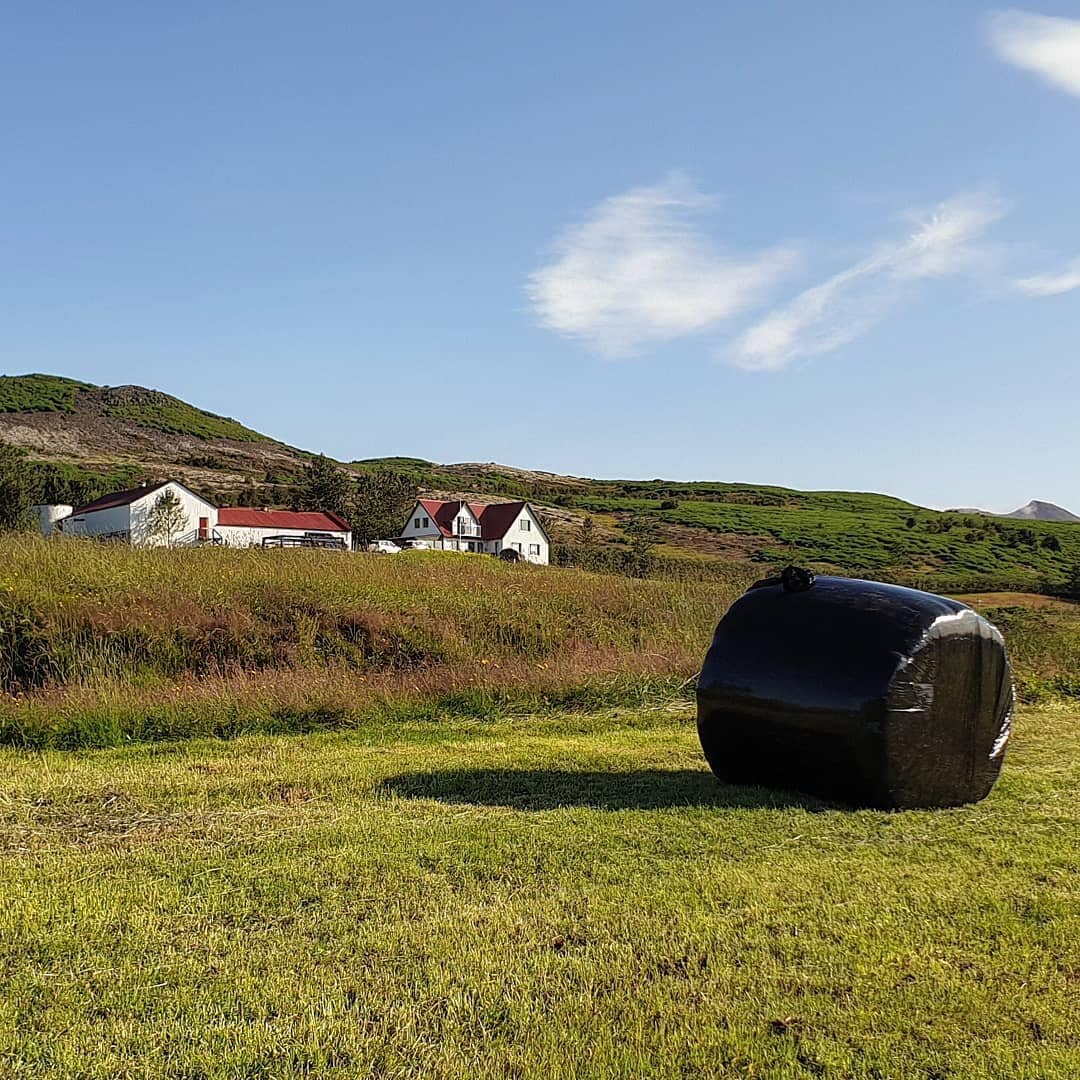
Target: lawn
[[559, 895]]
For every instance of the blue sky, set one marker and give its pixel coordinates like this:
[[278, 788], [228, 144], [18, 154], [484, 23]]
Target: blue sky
[[827, 246]]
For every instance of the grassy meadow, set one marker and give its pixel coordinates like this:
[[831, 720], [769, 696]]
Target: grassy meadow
[[298, 813], [105, 644], [102, 645], [565, 895]]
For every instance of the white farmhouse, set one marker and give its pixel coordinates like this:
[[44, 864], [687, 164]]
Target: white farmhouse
[[126, 516], [453, 525]]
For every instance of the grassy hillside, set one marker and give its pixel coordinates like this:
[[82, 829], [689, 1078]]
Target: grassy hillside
[[107, 436], [40, 393], [565, 895], [866, 535], [150, 409], [856, 533], [161, 412]]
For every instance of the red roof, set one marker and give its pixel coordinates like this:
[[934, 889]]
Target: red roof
[[308, 520], [120, 498], [495, 518]]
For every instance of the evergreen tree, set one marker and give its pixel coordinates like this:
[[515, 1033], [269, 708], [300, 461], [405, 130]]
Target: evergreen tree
[[639, 562], [17, 488], [325, 486], [378, 507]]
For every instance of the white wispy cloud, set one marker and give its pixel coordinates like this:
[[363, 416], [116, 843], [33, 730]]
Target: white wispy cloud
[[843, 307], [1051, 284], [1047, 46], [638, 271]]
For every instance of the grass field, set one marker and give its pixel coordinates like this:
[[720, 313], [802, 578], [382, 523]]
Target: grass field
[[102, 645], [555, 896]]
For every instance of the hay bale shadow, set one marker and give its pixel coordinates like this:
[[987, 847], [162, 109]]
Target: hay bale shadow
[[551, 789]]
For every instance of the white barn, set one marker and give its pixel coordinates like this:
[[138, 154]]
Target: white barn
[[126, 516], [453, 525]]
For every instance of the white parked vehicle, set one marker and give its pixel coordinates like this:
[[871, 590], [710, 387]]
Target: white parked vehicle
[[384, 547]]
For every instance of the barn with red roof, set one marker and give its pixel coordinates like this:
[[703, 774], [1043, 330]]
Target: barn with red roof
[[136, 516]]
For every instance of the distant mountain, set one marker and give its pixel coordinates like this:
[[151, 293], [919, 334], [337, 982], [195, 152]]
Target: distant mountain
[[1043, 511]]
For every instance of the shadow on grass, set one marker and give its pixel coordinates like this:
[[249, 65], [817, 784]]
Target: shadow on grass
[[549, 789]]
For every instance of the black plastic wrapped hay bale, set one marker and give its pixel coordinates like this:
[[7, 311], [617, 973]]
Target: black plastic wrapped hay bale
[[855, 691]]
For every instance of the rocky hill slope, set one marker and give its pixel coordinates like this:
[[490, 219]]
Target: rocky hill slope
[[1043, 511]]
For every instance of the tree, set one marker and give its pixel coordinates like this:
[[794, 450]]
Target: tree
[[325, 486], [167, 518], [17, 488], [380, 501], [1072, 582], [587, 533], [639, 560]]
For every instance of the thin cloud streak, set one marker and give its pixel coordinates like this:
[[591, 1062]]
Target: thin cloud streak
[[1046, 46], [638, 272], [1051, 284], [845, 306]]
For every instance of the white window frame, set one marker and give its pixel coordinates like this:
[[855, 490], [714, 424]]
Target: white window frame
[[525, 525], [534, 549]]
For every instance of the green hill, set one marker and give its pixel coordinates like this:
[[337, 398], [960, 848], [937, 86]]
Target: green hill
[[150, 409], [110, 436]]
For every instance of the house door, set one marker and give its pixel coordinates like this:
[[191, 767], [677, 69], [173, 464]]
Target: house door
[[204, 528]]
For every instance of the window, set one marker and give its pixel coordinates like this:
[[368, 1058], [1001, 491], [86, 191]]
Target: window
[[534, 549], [416, 523], [516, 547], [426, 523], [524, 524]]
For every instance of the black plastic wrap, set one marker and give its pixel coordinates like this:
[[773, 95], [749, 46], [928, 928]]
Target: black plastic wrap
[[858, 692]]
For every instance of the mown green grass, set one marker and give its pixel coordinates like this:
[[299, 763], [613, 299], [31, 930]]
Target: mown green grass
[[563, 896]]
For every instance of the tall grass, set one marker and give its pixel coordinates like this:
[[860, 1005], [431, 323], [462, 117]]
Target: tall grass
[[103, 643]]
